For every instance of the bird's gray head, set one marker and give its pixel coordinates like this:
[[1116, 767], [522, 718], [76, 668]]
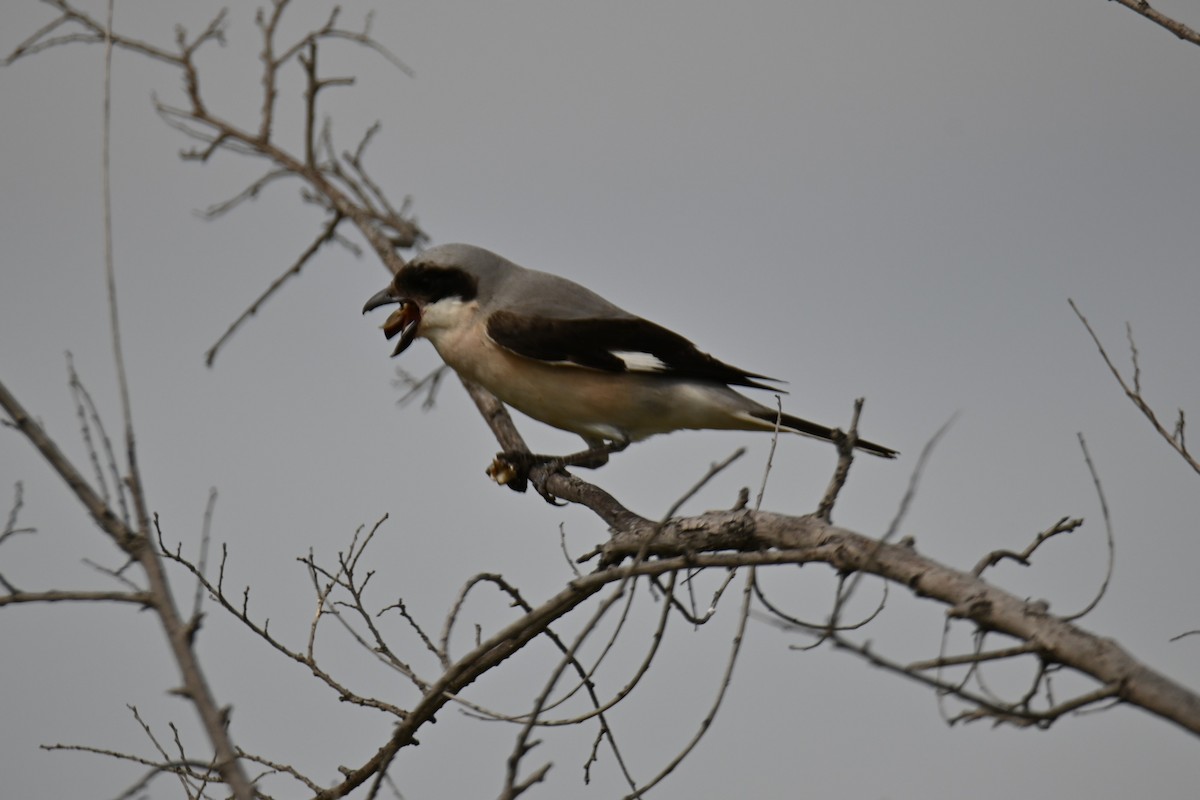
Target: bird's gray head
[[459, 271]]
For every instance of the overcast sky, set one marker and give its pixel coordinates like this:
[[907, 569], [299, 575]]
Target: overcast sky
[[874, 199]]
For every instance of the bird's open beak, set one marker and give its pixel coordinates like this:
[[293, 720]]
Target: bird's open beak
[[403, 321]]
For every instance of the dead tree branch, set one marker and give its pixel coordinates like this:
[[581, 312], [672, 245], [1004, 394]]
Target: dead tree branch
[[346, 194], [1158, 18], [327, 235], [136, 543], [10, 526], [1174, 438]]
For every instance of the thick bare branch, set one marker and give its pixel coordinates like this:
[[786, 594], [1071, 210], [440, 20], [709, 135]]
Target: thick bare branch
[[784, 539]]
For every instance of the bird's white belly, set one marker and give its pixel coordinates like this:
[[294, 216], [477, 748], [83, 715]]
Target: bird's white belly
[[591, 403]]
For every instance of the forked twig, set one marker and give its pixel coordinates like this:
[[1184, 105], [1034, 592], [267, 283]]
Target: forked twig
[[1134, 393], [1064, 525]]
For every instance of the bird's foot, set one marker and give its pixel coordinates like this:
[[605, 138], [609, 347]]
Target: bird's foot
[[511, 468]]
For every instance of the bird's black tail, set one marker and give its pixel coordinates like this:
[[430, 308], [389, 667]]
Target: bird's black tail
[[803, 426]]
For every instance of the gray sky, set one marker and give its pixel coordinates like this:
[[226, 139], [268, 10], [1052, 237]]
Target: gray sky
[[894, 201]]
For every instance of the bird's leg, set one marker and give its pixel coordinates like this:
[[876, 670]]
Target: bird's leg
[[511, 468], [595, 456]]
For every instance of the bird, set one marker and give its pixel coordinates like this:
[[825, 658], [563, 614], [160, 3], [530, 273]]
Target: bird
[[563, 355]]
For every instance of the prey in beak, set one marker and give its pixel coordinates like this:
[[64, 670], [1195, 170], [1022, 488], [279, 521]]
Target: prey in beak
[[403, 321]]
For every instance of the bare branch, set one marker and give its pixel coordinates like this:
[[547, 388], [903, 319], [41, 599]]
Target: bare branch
[[972, 658], [518, 788], [1064, 525], [780, 619], [202, 563], [967, 596], [1110, 538], [330, 31], [845, 448], [522, 744], [346, 579], [251, 192], [109, 522], [1158, 18], [726, 679], [383, 230], [846, 591], [286, 769], [10, 526], [270, 67], [186, 775], [327, 235], [983, 707], [85, 409], [605, 732], [414, 387], [1134, 393], [241, 612], [762, 485], [144, 599], [94, 32]]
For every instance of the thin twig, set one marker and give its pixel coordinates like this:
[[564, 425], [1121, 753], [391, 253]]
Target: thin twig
[[914, 479], [1110, 537], [783, 620], [1064, 525], [845, 448], [414, 387], [10, 526], [202, 564], [762, 486], [213, 718], [726, 680], [251, 192], [327, 234], [973, 658], [1143, 8], [910, 494], [89, 416], [522, 745], [1175, 439], [144, 599]]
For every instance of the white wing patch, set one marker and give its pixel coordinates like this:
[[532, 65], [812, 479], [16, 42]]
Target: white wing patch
[[636, 361]]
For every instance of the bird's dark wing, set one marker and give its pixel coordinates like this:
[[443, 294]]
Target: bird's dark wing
[[616, 344]]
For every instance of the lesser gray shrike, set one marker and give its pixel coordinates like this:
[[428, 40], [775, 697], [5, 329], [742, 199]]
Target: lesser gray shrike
[[563, 355]]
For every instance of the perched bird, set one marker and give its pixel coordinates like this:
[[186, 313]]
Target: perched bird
[[563, 355]]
